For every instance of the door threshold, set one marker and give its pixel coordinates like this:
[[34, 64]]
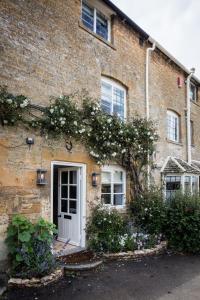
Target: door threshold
[[62, 249]]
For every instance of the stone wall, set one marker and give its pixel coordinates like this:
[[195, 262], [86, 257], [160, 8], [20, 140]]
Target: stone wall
[[45, 51]]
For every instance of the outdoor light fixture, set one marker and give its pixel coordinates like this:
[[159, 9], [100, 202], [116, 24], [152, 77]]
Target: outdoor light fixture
[[41, 177], [95, 177], [30, 141]]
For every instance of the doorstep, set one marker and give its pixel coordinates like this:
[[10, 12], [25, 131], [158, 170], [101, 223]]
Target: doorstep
[[62, 249]]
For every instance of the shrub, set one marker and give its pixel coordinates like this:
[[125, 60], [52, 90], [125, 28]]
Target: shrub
[[29, 246], [149, 211], [182, 225], [107, 231]]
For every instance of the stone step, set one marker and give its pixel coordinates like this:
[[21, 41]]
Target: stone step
[[82, 266]]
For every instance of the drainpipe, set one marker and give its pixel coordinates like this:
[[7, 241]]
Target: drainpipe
[[147, 99], [189, 154]]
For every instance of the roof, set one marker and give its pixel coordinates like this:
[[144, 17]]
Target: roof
[[196, 164], [146, 36], [175, 165]]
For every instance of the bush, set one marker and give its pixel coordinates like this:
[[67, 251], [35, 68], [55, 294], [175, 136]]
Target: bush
[[107, 231], [29, 246], [149, 212], [182, 225]]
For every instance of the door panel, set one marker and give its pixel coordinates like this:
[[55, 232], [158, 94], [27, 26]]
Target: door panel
[[69, 205]]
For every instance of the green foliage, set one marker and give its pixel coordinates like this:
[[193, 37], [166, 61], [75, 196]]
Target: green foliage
[[149, 211], [182, 225], [11, 107], [107, 232], [29, 246]]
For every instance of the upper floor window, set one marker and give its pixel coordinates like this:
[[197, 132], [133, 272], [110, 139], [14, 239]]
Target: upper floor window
[[95, 20], [113, 186], [173, 126], [113, 98], [193, 92], [192, 132]]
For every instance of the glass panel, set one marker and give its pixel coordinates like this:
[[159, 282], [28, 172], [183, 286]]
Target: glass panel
[[64, 206], [192, 92], [88, 16], [187, 184], [64, 191], [73, 192], [73, 177], [106, 177], [173, 184], [106, 188], [194, 184], [102, 26], [172, 127], [106, 97], [118, 199], [118, 188], [118, 102], [106, 198], [72, 207], [118, 176], [64, 176]]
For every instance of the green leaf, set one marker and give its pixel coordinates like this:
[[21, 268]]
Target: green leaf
[[24, 236]]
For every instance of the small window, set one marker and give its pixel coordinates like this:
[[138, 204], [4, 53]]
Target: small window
[[96, 21], [113, 186], [113, 98], [173, 126], [193, 92], [173, 184]]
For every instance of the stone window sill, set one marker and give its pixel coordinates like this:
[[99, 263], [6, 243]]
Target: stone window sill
[[81, 25], [175, 143]]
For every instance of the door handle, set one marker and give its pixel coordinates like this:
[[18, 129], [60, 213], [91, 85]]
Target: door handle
[[59, 216]]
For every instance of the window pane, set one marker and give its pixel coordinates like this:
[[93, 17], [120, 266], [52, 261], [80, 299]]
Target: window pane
[[106, 177], [172, 127], [73, 192], [102, 26], [106, 198], [118, 188], [73, 177], [72, 207], [118, 102], [64, 206], [192, 92], [118, 199], [106, 188], [106, 97], [173, 184], [64, 178], [118, 176], [88, 16], [194, 184], [64, 191], [187, 184]]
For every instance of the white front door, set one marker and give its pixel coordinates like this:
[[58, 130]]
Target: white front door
[[69, 205]]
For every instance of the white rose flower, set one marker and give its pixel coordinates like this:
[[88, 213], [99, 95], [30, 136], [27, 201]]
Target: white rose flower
[[51, 110], [9, 101], [75, 123], [114, 154]]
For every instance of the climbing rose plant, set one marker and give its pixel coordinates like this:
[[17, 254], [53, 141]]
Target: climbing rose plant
[[107, 138]]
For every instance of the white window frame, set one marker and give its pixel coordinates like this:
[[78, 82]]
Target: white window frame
[[182, 187], [195, 94], [115, 84], [96, 10], [111, 169], [174, 115]]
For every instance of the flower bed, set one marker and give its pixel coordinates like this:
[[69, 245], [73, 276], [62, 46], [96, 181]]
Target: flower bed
[[36, 282]]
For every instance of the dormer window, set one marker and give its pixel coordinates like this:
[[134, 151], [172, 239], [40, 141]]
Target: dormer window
[[95, 20], [193, 92]]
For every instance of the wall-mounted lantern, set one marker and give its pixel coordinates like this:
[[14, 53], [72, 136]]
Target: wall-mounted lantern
[[95, 179], [41, 177]]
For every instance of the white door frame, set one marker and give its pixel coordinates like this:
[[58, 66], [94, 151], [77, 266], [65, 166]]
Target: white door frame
[[82, 192]]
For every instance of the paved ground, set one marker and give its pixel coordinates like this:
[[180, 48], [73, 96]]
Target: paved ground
[[165, 277]]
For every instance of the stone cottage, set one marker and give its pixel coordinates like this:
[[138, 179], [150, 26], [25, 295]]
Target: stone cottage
[[49, 48]]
